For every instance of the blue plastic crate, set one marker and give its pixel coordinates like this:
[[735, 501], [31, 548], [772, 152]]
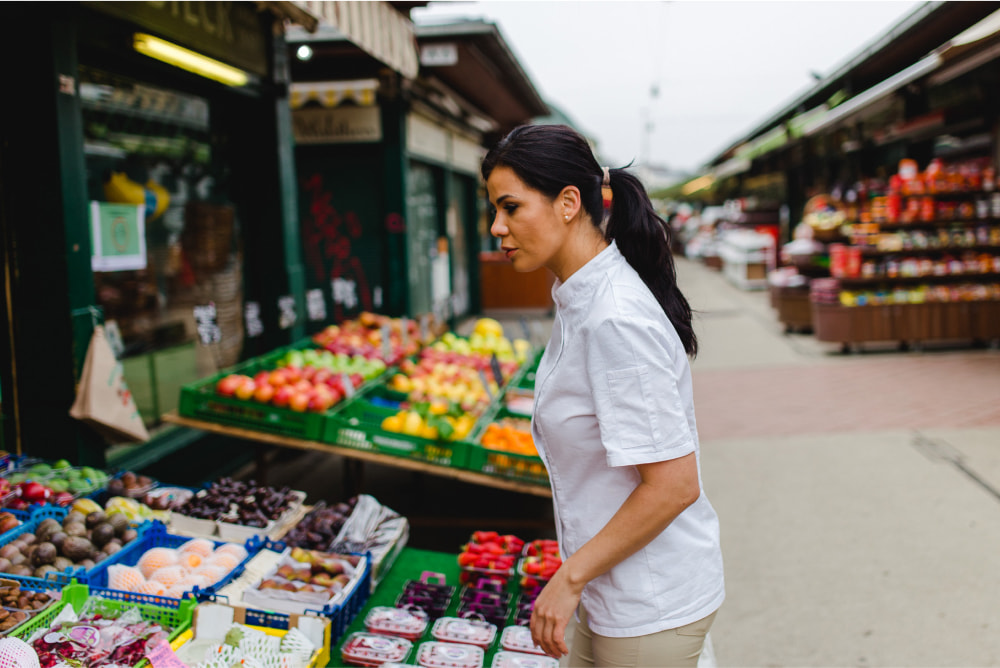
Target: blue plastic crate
[[157, 536], [52, 580], [341, 615]]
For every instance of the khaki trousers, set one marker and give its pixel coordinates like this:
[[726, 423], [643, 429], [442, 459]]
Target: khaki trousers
[[678, 647]]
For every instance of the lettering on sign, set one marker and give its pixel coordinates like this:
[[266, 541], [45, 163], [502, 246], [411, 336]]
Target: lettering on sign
[[342, 125], [286, 311], [315, 305]]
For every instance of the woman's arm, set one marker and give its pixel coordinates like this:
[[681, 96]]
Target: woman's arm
[[665, 489]]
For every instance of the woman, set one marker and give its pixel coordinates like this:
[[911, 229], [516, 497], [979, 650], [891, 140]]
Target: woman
[[614, 415]]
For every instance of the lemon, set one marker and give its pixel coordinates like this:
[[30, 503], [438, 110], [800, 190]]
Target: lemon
[[485, 326]]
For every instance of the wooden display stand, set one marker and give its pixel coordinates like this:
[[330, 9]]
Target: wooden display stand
[[793, 307], [506, 289], [907, 323]]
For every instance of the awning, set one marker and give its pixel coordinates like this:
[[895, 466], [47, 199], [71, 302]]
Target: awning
[[333, 93], [868, 98], [375, 27]]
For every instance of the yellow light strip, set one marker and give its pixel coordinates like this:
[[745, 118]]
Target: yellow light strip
[[697, 184], [178, 56]]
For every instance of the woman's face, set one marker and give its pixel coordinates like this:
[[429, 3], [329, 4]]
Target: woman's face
[[531, 227]]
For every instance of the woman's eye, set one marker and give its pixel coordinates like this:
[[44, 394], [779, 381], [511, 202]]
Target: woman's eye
[[510, 208]]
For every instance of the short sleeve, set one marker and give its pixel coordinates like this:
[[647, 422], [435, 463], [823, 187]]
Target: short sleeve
[[640, 411]]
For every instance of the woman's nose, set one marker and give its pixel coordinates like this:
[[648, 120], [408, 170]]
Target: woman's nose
[[498, 228]]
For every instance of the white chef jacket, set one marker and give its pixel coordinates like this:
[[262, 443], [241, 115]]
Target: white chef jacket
[[613, 390]]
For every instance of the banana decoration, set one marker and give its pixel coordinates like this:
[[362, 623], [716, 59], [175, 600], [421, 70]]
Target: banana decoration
[[119, 188]]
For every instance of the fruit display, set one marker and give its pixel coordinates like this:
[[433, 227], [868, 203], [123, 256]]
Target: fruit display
[[174, 571], [487, 338], [305, 579], [124, 640], [241, 502], [318, 529], [509, 434], [431, 420], [19, 605], [451, 376], [130, 484], [54, 547], [489, 554], [540, 562], [245, 646], [288, 387], [61, 479], [364, 336], [374, 649], [133, 510]]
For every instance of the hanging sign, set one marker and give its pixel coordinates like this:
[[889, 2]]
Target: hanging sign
[[118, 236], [495, 368], [206, 323]]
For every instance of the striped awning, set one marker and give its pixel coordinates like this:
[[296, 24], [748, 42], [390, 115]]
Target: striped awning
[[360, 92]]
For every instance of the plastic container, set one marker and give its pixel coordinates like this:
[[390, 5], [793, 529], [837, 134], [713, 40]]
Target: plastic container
[[409, 623], [518, 639], [437, 654], [505, 659], [464, 630], [374, 649], [175, 614]]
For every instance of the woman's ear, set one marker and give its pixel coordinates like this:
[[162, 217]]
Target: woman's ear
[[569, 202]]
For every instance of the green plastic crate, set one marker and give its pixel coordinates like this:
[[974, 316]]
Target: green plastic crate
[[200, 401], [524, 379], [510, 465], [176, 614], [358, 425]]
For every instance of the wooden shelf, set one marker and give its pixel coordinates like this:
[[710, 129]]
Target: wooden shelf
[[911, 323], [859, 282], [360, 455]]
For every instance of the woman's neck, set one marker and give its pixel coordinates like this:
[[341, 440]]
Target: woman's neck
[[583, 244]]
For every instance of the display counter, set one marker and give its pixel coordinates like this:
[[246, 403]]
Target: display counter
[[506, 289]]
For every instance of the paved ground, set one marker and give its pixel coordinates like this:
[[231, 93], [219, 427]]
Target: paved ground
[[858, 493]]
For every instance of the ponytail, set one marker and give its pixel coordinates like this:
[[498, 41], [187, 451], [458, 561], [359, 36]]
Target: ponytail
[[643, 238], [550, 157]]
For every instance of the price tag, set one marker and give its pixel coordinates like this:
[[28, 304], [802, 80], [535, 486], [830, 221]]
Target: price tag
[[524, 328], [206, 324], [486, 384], [251, 319], [286, 311], [386, 342], [348, 385], [404, 332], [315, 305], [495, 367], [162, 656]]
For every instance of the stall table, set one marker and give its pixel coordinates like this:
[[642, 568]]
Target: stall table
[[360, 456]]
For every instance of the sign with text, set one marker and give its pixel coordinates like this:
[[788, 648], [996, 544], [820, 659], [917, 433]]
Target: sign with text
[[341, 125], [118, 236]]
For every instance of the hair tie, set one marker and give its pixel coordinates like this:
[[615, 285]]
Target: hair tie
[[606, 189]]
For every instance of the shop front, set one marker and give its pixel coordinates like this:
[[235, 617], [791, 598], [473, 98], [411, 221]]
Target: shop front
[[146, 173]]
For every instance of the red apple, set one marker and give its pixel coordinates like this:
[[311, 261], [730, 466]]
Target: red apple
[[322, 376], [227, 384], [278, 377], [282, 395]]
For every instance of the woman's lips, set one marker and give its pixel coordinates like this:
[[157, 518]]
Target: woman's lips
[[509, 252]]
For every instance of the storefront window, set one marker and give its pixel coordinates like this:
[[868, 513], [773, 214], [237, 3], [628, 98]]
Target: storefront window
[[154, 149]]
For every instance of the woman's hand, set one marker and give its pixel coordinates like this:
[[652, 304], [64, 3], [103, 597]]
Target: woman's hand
[[552, 613]]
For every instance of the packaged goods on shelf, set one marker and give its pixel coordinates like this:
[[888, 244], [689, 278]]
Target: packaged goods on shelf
[[237, 510]]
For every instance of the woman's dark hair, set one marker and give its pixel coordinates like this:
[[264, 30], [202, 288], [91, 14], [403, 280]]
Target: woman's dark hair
[[550, 157]]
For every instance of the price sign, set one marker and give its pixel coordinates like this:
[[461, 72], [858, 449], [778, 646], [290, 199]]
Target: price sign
[[206, 323], [251, 319], [524, 328], [404, 331], [348, 385], [315, 305], [286, 311], [425, 326]]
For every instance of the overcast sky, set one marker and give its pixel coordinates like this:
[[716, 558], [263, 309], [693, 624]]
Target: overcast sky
[[721, 68]]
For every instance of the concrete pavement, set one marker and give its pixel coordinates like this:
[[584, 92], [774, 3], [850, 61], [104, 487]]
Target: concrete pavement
[[858, 494]]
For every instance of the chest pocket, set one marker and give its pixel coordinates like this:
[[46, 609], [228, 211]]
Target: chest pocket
[[630, 407]]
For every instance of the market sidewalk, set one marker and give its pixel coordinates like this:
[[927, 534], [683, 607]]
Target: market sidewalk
[[858, 494]]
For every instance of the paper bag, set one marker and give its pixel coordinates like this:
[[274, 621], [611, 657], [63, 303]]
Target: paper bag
[[103, 399]]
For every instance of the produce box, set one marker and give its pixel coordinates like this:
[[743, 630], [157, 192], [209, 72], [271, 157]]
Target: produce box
[[216, 499], [212, 621], [176, 614], [358, 425], [157, 536], [341, 614], [515, 460], [21, 604], [56, 578], [201, 401], [525, 376]]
